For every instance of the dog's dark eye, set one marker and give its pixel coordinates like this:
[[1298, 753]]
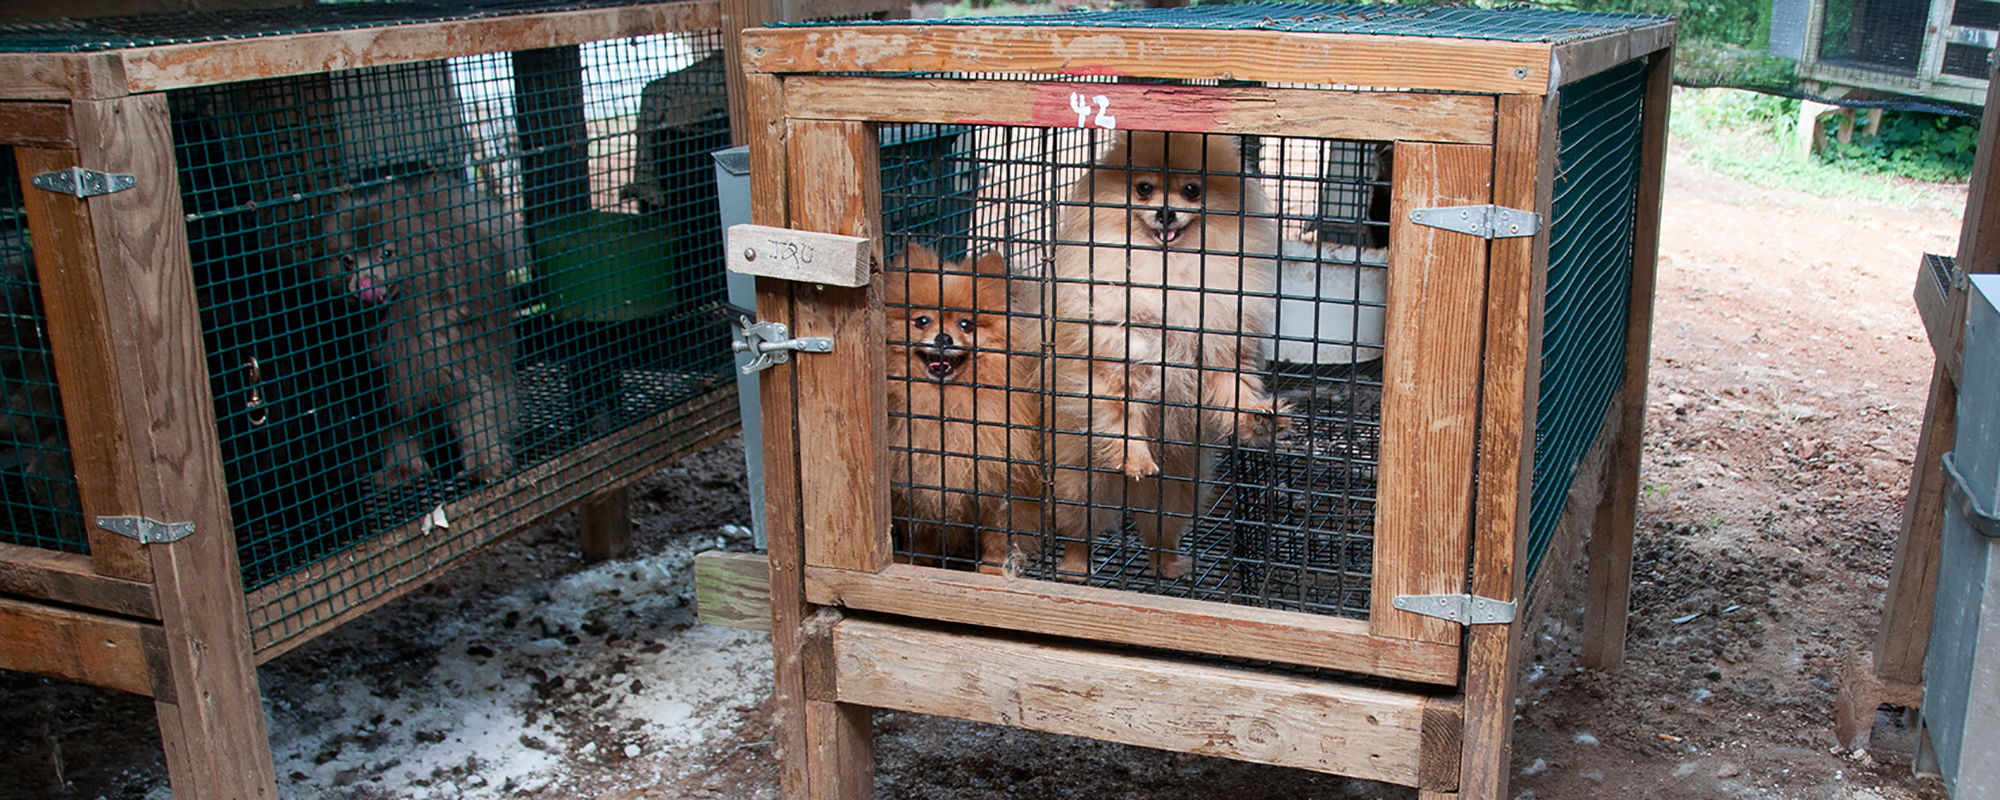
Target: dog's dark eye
[[1191, 191], [1144, 189], [965, 324], [920, 321], [347, 261], [388, 253]]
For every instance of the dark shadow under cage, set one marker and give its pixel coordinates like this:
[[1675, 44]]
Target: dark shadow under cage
[[420, 280], [1055, 295]]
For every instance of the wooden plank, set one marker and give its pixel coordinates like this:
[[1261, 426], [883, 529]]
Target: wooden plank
[[151, 69], [71, 579], [1609, 596], [801, 256], [1978, 234], [1577, 60], [153, 313], [1933, 299], [1430, 387], [843, 404], [1443, 736], [1169, 704], [320, 596], [1453, 118], [1905, 632], [36, 125], [733, 589], [1387, 62], [111, 652], [61, 76], [1113, 616], [1524, 159], [604, 522], [770, 199], [734, 17], [841, 763], [84, 9], [88, 359]]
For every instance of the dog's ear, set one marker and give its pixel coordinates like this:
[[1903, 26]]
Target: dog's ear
[[990, 262]]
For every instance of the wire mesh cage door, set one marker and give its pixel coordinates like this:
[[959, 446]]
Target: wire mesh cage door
[[966, 219]]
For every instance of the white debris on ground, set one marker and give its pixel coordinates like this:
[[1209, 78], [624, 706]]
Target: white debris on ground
[[593, 666]]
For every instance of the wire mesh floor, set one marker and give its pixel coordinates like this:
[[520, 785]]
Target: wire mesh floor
[[1288, 526]]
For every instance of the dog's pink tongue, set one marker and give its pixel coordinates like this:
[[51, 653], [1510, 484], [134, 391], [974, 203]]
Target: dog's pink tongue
[[940, 367], [370, 292], [1169, 234]]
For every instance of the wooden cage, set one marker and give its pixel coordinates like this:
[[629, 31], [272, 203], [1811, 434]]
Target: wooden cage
[[200, 470], [1511, 373]]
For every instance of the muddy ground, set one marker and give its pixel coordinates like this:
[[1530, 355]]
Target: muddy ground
[[1788, 379]]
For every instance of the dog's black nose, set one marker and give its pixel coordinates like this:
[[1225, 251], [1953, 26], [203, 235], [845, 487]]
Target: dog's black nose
[[942, 340], [1166, 217]]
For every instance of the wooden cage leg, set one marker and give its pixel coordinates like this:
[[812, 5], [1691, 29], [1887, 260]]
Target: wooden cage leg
[[605, 524]]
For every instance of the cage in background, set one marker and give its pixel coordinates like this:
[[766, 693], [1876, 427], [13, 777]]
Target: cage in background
[[286, 343], [1158, 413]]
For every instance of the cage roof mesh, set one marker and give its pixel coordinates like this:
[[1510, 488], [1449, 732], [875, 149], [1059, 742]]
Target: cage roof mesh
[[1512, 25], [152, 30]]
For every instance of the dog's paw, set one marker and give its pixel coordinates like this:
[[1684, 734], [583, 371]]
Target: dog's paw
[[1170, 566], [1139, 463]]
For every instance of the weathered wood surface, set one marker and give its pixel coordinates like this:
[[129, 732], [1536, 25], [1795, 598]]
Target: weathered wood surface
[[70, 579], [36, 125], [604, 523], [1183, 706], [88, 357], [818, 258], [1389, 62], [835, 184], [1109, 615], [733, 589], [1430, 387], [1461, 119], [1578, 60], [152, 69], [111, 652]]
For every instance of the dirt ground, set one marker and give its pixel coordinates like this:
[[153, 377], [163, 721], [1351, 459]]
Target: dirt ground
[[1788, 379]]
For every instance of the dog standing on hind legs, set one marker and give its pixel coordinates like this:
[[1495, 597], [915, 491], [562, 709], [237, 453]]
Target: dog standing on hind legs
[[434, 259], [1164, 285]]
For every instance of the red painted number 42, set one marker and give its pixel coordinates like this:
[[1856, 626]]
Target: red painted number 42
[[1081, 106]]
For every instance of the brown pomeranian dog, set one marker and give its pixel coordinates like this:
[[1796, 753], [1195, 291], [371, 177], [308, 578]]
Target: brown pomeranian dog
[[965, 421], [434, 258], [1163, 284]]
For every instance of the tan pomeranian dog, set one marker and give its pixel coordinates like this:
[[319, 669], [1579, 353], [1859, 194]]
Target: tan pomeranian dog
[[965, 423], [1163, 289]]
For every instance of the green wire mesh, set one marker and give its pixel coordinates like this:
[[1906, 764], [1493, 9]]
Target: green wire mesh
[[489, 282], [38, 497], [1514, 24], [1589, 283]]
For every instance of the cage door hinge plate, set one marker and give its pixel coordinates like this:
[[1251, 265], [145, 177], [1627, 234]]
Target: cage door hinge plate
[[1467, 609], [1487, 221], [83, 182], [768, 343], [147, 531]]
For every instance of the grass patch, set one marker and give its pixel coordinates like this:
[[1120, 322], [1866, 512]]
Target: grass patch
[[1753, 137]]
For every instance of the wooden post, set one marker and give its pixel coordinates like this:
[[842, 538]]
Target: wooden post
[[1524, 158], [605, 521], [1608, 597], [213, 727]]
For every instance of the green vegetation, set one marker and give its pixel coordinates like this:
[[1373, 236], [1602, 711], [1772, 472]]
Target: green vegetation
[[1753, 137]]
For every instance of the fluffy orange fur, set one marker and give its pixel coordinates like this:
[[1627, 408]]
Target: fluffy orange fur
[[966, 412], [1162, 284]]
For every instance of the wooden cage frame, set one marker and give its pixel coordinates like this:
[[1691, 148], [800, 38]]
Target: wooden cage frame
[[1474, 122], [170, 620]]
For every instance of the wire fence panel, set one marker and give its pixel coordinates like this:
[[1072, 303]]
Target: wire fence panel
[[38, 495], [1139, 361], [442, 299]]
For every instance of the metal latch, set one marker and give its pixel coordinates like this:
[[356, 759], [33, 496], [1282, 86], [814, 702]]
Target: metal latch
[[769, 342], [1488, 221], [1983, 521], [83, 182], [1468, 609], [147, 531]]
